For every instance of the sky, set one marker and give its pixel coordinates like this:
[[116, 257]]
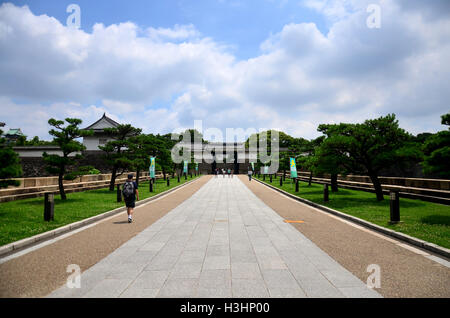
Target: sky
[[242, 64]]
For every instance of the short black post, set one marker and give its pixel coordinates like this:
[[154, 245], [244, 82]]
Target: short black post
[[49, 206], [151, 185], [119, 194], [178, 178], [185, 176], [168, 182], [281, 182], [296, 185], [270, 178], [275, 176], [190, 175], [264, 177], [325, 192], [395, 207]]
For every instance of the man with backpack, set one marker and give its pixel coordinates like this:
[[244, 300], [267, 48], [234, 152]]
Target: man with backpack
[[130, 194]]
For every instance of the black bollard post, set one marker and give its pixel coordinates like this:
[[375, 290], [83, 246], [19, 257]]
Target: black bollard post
[[151, 185], [264, 177], [185, 176], [49, 206], [395, 207], [281, 182], [296, 185], [168, 182], [119, 194], [270, 178], [325, 193], [178, 178]]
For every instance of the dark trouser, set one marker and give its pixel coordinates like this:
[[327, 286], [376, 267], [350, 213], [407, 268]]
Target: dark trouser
[[249, 177], [130, 204]]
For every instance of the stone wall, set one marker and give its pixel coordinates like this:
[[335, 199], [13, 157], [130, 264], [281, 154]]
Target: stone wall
[[36, 167]]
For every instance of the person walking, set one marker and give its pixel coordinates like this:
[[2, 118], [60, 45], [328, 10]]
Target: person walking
[[229, 173], [130, 194], [250, 173]]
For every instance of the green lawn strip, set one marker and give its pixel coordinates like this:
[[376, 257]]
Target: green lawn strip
[[424, 220], [25, 218]]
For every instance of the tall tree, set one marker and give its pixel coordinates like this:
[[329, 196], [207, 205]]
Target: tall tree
[[368, 147], [116, 150], [437, 151], [10, 164], [142, 147], [65, 137], [308, 159]]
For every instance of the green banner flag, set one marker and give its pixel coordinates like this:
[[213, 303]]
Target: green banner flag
[[293, 168], [253, 166], [152, 167], [185, 168], [196, 166]]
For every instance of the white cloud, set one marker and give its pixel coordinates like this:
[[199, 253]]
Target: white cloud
[[160, 79]]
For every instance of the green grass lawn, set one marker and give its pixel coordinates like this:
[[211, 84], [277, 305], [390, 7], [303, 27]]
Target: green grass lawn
[[424, 220], [25, 218]]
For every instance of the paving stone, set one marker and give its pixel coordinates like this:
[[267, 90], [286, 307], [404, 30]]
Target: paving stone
[[150, 280], [139, 293], [215, 279], [277, 278], [221, 242], [108, 288], [249, 288], [245, 271], [179, 288], [217, 262], [359, 292]]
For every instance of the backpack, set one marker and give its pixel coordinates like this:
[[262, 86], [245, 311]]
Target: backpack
[[128, 190]]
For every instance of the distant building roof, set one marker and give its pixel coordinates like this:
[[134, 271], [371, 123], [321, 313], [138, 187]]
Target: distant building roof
[[102, 123], [14, 132]]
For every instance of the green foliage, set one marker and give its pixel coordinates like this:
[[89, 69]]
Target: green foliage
[[117, 153], [37, 142], [142, 147], [10, 164], [65, 137], [365, 148], [437, 151], [81, 171]]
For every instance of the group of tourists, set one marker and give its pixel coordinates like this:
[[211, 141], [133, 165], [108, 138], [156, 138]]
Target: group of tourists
[[224, 172]]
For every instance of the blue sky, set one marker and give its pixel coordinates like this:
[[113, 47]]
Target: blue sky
[[281, 64]]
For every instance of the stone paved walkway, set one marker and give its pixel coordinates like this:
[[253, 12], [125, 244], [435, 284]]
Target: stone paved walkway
[[221, 242]]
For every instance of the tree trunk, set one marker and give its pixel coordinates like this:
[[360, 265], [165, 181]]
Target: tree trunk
[[62, 193], [334, 184], [113, 179], [138, 173], [377, 186], [310, 179]]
